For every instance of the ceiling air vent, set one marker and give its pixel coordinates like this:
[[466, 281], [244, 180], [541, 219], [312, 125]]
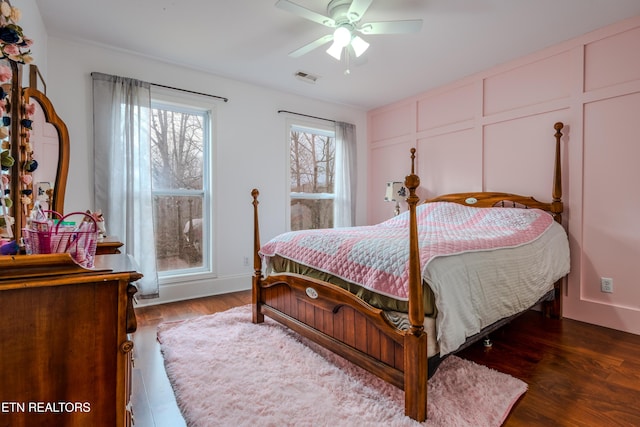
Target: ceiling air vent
[[306, 77]]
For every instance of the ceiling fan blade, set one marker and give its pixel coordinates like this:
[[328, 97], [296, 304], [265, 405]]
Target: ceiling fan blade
[[391, 27], [358, 9], [305, 13], [313, 45]]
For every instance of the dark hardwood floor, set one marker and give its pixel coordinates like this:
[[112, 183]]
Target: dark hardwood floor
[[154, 404], [578, 374]]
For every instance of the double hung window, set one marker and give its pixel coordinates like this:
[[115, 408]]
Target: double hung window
[[181, 140], [312, 177]]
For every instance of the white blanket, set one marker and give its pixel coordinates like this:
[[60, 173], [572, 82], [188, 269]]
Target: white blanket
[[473, 290]]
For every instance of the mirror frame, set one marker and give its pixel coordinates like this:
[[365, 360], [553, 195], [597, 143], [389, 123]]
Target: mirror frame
[[60, 184], [14, 113], [19, 97]]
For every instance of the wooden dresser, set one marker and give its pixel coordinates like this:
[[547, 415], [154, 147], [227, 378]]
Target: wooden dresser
[[109, 245], [65, 348]]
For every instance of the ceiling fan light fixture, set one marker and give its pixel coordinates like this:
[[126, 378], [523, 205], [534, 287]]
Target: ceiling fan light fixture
[[342, 36], [343, 17], [335, 50], [359, 46]]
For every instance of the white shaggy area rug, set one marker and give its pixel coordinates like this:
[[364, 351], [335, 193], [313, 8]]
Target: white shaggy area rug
[[227, 371]]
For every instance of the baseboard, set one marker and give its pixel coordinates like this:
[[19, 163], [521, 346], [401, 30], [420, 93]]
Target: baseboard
[[197, 289]]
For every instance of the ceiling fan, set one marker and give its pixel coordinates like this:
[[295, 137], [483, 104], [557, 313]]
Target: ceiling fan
[[344, 17]]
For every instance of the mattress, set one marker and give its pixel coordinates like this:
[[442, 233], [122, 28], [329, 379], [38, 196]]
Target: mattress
[[467, 292], [279, 264]]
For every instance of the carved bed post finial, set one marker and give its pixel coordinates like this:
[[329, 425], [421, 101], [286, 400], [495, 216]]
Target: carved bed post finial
[[258, 317], [556, 205], [413, 161]]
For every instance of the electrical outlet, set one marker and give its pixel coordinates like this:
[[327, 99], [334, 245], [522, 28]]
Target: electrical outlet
[[606, 285], [245, 261]]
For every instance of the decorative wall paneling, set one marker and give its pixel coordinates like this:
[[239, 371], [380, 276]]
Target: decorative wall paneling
[[529, 84], [494, 131], [612, 60]]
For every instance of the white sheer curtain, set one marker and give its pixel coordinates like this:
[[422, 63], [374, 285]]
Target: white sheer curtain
[[122, 156], [344, 208]]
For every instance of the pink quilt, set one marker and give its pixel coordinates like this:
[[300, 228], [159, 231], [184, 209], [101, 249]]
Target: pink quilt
[[376, 257]]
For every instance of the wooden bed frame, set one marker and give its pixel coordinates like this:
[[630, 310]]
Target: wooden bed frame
[[345, 324]]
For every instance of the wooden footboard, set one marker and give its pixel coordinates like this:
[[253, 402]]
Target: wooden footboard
[[348, 326], [337, 320]]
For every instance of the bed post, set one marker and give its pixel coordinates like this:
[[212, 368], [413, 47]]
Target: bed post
[[258, 317], [554, 308], [415, 339], [556, 194]]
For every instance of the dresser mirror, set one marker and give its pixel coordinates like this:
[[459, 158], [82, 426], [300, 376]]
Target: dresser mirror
[[50, 143], [38, 141]]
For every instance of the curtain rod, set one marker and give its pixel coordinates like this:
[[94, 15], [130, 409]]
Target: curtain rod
[[305, 115], [108, 76], [191, 91]]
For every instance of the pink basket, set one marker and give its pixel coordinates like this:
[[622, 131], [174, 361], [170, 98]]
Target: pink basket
[[79, 241]]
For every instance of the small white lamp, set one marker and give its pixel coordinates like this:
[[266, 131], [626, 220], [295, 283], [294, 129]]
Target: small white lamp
[[396, 191]]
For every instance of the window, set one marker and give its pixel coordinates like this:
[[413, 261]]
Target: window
[[312, 176], [180, 150]]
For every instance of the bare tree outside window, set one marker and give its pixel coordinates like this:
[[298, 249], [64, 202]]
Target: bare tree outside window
[[312, 169], [178, 138]]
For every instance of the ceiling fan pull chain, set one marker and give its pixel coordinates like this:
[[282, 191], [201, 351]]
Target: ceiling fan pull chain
[[347, 61]]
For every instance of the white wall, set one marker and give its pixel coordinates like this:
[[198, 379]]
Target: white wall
[[33, 28], [251, 148]]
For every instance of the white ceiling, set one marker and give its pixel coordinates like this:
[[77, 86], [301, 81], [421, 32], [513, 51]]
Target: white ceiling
[[249, 40]]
